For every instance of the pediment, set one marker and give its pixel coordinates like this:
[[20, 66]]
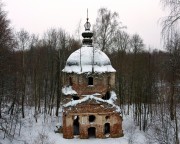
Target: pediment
[[91, 104]]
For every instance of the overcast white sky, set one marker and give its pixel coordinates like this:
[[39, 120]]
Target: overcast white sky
[[36, 16]]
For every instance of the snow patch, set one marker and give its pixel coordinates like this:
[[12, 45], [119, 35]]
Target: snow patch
[[67, 90], [88, 59], [46, 124], [93, 96]]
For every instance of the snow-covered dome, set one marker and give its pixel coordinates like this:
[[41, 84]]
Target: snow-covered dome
[[88, 59]]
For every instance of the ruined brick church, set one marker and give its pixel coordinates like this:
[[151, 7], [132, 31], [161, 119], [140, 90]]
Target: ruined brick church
[[89, 100]]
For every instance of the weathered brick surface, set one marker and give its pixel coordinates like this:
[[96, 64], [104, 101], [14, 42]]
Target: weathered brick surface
[[90, 108], [101, 84], [99, 131], [68, 132], [100, 111], [67, 128], [83, 132]]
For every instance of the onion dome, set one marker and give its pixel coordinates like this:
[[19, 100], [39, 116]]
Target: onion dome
[[87, 35]]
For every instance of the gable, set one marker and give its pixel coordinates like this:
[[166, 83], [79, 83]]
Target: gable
[[91, 101], [91, 106]]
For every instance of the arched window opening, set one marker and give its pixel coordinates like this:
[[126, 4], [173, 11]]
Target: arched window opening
[[70, 81], [90, 80], [107, 128], [92, 118], [76, 125], [106, 96], [107, 118]]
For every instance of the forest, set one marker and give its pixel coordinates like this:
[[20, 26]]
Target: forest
[[147, 79]]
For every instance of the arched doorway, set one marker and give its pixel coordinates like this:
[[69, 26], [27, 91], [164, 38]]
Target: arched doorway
[[76, 125], [107, 128], [92, 132]]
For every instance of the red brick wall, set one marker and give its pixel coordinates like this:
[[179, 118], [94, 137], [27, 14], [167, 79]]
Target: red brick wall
[[100, 83], [67, 128], [115, 121]]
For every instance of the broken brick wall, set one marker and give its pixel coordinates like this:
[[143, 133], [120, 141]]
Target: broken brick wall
[[101, 83], [102, 116]]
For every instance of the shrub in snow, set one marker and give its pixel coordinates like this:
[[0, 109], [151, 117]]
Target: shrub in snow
[[131, 133], [161, 130], [42, 138], [67, 90]]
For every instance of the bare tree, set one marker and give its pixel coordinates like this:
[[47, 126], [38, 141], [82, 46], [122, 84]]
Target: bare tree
[[7, 76], [60, 62], [78, 30], [121, 46], [51, 40], [136, 43], [173, 69], [173, 18], [105, 28], [6, 44], [22, 38]]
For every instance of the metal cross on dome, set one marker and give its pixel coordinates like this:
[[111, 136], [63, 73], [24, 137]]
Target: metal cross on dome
[[87, 25]]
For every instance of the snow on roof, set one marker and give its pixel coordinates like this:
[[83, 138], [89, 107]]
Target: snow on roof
[[91, 97], [67, 90], [85, 59]]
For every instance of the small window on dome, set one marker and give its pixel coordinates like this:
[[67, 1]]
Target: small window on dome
[[90, 80]]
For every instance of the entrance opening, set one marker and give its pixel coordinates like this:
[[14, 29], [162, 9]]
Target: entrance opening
[[92, 132], [90, 80], [92, 118], [106, 96], [107, 128], [76, 125]]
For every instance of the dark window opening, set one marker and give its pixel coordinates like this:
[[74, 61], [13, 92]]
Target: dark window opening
[[76, 125], [70, 81], [92, 118], [106, 96], [75, 98], [92, 132], [90, 80], [107, 128], [107, 118]]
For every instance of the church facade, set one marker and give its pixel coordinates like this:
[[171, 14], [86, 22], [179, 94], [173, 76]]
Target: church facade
[[89, 101]]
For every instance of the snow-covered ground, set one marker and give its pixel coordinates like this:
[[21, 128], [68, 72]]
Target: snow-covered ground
[[42, 132]]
